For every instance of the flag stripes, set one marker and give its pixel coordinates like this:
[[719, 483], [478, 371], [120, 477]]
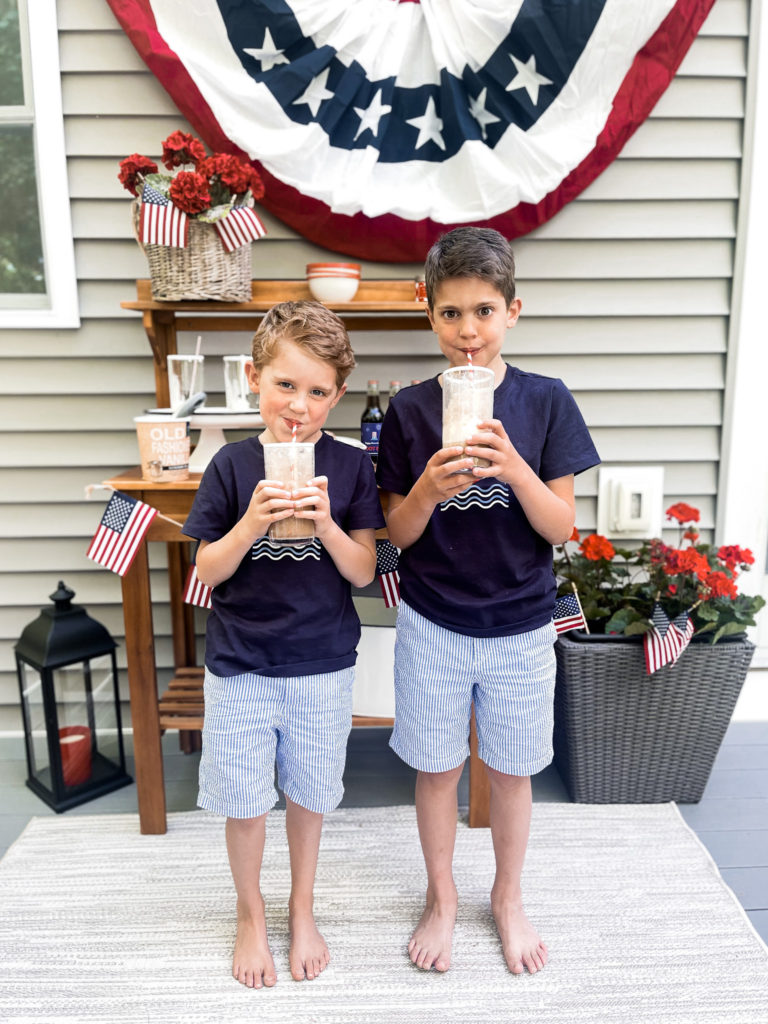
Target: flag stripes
[[568, 614], [120, 532], [665, 641], [160, 222], [386, 570], [195, 592], [240, 226]]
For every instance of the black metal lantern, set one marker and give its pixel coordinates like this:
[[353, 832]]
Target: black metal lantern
[[70, 704]]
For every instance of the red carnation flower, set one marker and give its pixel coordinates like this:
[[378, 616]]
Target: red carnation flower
[[189, 191], [132, 169], [733, 556], [182, 148], [718, 584], [683, 513], [594, 547]]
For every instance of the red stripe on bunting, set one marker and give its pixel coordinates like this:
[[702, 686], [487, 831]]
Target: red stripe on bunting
[[390, 238]]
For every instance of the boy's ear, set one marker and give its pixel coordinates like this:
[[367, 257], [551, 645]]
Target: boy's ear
[[339, 393], [513, 312], [254, 377], [431, 319]]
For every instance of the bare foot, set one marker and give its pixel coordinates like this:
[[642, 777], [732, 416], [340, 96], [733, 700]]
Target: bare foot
[[252, 964], [308, 955], [520, 941], [432, 939]]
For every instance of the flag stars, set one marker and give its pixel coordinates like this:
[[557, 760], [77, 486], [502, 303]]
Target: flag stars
[[316, 92], [267, 54], [480, 112], [527, 78], [371, 115], [430, 126]]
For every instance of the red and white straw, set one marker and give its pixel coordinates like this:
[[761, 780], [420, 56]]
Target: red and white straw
[[294, 428]]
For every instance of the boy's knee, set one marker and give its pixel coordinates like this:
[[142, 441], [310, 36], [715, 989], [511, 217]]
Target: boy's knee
[[509, 782], [440, 779]]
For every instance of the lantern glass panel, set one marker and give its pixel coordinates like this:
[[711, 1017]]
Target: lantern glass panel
[[89, 732], [37, 734]]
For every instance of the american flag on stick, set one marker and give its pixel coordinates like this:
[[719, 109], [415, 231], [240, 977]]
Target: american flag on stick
[[121, 531], [240, 226], [195, 592], [386, 570], [160, 222], [568, 613], [666, 640]]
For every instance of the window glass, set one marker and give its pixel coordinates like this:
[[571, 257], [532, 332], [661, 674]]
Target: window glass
[[11, 71], [21, 248]]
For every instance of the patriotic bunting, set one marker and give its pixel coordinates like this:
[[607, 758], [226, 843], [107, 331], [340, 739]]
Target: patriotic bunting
[[160, 222], [378, 126], [568, 614], [240, 226], [665, 641], [386, 570], [121, 531], [195, 592]]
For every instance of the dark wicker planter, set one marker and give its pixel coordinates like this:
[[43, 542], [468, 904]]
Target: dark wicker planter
[[622, 736]]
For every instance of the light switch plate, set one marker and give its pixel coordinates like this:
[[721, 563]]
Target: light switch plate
[[629, 501]]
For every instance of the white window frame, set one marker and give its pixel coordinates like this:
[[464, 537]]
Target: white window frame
[[61, 309]]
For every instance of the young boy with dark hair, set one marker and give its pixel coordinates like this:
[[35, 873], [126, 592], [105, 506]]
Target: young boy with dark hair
[[477, 584], [282, 632]]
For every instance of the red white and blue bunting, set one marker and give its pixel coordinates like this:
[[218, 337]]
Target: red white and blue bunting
[[377, 125]]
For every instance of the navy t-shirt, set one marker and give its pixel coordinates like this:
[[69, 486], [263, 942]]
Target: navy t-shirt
[[285, 611], [479, 567]]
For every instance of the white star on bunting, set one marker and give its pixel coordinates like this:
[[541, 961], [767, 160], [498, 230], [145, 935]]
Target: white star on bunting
[[480, 112], [430, 126], [315, 93], [371, 115], [268, 54], [527, 78]]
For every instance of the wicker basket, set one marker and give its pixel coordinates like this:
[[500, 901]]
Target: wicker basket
[[623, 736], [203, 270]]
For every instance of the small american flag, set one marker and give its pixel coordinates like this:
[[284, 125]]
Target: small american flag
[[160, 222], [195, 592], [240, 226], [665, 641], [568, 614], [120, 532], [386, 570]]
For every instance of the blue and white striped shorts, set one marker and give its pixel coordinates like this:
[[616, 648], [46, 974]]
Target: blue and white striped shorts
[[438, 673], [252, 722]]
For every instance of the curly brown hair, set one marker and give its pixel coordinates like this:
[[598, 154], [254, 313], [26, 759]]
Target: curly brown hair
[[312, 327]]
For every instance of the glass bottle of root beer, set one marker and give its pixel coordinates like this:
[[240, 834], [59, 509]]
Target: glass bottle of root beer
[[370, 421]]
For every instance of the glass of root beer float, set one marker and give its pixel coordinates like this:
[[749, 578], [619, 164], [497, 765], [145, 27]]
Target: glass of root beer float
[[293, 463], [467, 402]]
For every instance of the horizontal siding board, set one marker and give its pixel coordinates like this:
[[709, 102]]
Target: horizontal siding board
[[666, 179], [704, 138], [714, 218], [683, 98], [536, 259], [727, 18], [58, 485], [680, 478], [652, 444], [715, 55]]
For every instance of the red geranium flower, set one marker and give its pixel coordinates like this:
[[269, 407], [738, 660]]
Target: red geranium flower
[[134, 167], [189, 191], [182, 148], [678, 561], [658, 550], [718, 584], [231, 172], [594, 547], [683, 513], [255, 184], [732, 556], [691, 535], [575, 535]]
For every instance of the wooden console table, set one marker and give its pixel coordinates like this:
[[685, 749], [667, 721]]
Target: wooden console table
[[378, 305]]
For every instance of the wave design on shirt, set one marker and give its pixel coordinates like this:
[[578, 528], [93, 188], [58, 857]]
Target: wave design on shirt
[[264, 548], [482, 497]]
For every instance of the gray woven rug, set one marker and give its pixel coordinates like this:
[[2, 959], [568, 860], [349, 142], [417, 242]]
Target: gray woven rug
[[100, 923]]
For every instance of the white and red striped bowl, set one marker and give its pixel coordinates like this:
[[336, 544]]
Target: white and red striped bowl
[[333, 282]]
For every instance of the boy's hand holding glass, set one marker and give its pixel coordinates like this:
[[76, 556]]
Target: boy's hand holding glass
[[312, 502], [492, 444], [447, 473], [270, 502]]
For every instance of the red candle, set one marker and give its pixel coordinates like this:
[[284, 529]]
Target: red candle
[[75, 744]]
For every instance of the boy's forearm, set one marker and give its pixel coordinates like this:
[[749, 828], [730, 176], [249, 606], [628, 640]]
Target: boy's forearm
[[217, 560], [548, 507], [408, 516], [353, 555]]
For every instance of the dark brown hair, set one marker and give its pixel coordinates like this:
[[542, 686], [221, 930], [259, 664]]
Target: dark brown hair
[[471, 252]]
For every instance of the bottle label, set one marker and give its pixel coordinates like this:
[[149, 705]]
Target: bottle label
[[369, 435]]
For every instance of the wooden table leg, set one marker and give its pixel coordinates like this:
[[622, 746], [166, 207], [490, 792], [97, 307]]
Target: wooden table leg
[[479, 783], [142, 684]]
